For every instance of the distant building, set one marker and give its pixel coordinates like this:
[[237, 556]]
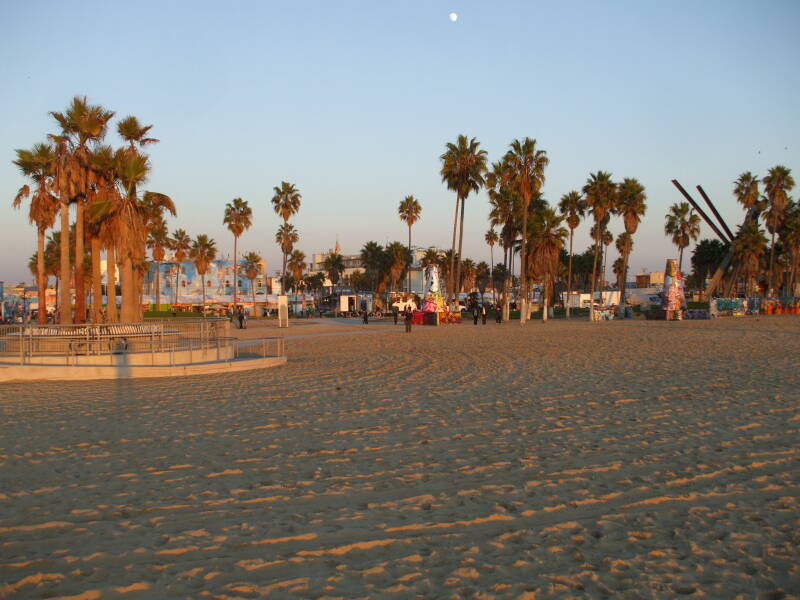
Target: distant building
[[654, 279]]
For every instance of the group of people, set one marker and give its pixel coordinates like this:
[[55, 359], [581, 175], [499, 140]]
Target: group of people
[[408, 316]]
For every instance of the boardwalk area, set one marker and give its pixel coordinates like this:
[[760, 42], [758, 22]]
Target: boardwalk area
[[560, 460]]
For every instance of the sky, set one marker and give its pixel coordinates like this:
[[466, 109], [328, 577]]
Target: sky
[[354, 102]]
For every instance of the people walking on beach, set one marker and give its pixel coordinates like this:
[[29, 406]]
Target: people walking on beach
[[240, 316], [483, 314], [408, 316], [365, 317], [395, 313], [244, 319], [498, 313], [475, 314]]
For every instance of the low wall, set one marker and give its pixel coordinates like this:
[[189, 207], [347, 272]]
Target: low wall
[[31, 372], [170, 357]]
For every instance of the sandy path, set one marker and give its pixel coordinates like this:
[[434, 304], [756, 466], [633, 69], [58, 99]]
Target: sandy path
[[566, 460]]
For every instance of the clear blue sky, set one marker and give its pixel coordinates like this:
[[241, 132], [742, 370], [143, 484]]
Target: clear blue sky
[[354, 102]]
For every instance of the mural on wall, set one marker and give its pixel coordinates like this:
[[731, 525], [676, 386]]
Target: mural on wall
[[219, 282]]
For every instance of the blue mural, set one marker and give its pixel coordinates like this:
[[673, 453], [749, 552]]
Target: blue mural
[[219, 281]]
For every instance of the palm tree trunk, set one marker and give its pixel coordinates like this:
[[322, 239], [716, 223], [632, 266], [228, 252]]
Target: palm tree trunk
[[253, 290], [80, 284], [158, 285], [545, 298], [594, 280], [623, 278], [408, 291], [203, 284], [111, 285], [177, 276], [97, 284], [235, 273], [771, 263], [128, 314], [523, 265], [283, 277], [491, 274], [506, 285], [450, 285], [680, 260], [64, 300], [569, 274], [41, 280], [457, 286]]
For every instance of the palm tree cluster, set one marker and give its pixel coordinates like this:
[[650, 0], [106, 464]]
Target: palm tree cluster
[[112, 213], [764, 264], [286, 203]]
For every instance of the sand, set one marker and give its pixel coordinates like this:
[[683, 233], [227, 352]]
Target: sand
[[560, 460]]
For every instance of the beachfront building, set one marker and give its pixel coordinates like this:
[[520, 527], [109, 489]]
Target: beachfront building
[[646, 280]]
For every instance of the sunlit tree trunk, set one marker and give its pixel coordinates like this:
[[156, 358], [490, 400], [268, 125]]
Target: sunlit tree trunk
[[97, 284], [64, 301], [129, 312], [569, 275], [80, 284], [41, 278], [111, 285]]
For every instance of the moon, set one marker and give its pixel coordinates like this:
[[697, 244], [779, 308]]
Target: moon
[[453, 17]]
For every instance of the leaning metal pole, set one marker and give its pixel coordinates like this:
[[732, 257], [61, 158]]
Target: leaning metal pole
[[714, 210], [700, 211]]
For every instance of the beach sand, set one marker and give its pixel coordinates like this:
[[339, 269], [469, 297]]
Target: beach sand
[[626, 459]]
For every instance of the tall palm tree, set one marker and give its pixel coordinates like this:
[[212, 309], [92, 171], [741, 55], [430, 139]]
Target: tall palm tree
[[572, 208], [372, 257], [505, 213], [37, 164], [624, 246], [777, 185], [492, 239], [409, 211], [203, 251], [483, 275], [296, 265], [134, 133], [334, 267], [547, 241], [790, 238], [158, 241], [238, 218], [683, 225], [98, 227], [286, 237], [600, 194], [286, 203], [750, 245], [631, 206], [745, 188], [82, 126], [251, 263], [180, 243], [463, 168], [526, 164]]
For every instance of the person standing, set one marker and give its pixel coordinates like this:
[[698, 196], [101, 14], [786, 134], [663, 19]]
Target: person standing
[[395, 312], [498, 313], [366, 317], [408, 317], [240, 316], [475, 314], [483, 314]]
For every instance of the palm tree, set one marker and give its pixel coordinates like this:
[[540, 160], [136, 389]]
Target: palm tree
[[683, 225], [399, 260], [463, 167], [624, 246], [750, 245], [777, 185], [286, 203], [297, 264], [631, 206], [133, 132], [334, 267], [483, 275], [431, 257], [706, 257], [372, 257], [600, 193], [547, 241], [409, 211], [238, 218], [203, 251], [469, 273], [286, 237], [251, 264], [504, 214], [82, 126], [180, 243], [572, 207], [104, 190], [745, 188], [491, 239], [158, 242], [37, 164], [790, 237], [526, 164]]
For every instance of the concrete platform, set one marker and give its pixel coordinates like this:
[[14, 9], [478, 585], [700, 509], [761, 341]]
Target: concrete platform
[[32, 372]]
